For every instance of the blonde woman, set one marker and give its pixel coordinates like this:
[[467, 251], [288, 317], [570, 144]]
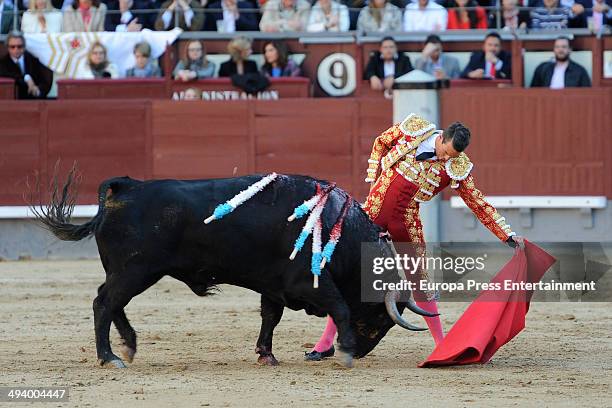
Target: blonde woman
[[41, 18], [380, 16], [98, 66], [239, 50]]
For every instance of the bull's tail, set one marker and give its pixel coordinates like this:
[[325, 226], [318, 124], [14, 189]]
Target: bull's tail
[[55, 216]]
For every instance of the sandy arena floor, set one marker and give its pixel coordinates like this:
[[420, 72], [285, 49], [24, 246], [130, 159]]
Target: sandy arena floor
[[200, 352]]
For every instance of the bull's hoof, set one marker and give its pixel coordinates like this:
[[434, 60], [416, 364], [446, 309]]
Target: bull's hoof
[[268, 360], [345, 359], [128, 353], [115, 363]]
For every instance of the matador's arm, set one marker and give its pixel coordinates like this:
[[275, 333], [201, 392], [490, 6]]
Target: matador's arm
[[485, 212], [382, 145]]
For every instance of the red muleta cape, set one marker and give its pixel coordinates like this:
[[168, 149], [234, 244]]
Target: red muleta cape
[[496, 316]]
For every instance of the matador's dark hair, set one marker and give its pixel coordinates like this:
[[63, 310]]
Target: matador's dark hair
[[459, 134]]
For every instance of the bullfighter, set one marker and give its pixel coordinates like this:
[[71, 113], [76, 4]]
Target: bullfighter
[[410, 163]]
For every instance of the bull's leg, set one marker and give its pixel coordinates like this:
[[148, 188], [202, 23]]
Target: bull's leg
[[271, 313], [341, 315], [113, 296], [329, 299], [127, 333], [102, 322]]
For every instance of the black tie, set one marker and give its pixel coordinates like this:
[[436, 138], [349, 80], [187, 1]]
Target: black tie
[[425, 156]]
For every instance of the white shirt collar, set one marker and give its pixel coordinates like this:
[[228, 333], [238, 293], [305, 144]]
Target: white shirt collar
[[18, 61], [429, 145]]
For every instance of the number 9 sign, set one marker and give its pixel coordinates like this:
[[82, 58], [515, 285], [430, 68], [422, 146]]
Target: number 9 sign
[[336, 74]]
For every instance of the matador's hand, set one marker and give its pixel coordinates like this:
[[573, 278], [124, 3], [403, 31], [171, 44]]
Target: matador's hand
[[516, 240]]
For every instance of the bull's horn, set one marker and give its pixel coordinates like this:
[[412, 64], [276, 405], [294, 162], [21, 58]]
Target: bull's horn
[[412, 306], [390, 299]]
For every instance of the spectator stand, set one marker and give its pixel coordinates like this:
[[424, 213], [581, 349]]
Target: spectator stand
[[334, 63], [306, 49], [537, 48]]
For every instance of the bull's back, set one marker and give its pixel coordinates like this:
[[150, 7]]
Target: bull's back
[[163, 221]]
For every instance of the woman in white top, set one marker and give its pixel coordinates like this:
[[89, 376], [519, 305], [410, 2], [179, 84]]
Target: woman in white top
[[328, 15], [380, 16], [98, 66], [41, 18]]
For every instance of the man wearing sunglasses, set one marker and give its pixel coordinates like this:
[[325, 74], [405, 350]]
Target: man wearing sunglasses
[[32, 79]]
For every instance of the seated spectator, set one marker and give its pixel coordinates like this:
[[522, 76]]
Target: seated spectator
[[41, 18], [597, 14], [284, 15], [98, 66], [131, 16], [190, 15], [512, 17], [328, 15], [277, 62], [239, 50], [561, 72], [6, 17], [354, 7], [490, 63], [192, 94], [84, 15], [229, 16], [385, 65], [549, 15], [195, 65], [425, 15], [435, 62], [144, 67], [460, 18], [32, 79], [379, 16]]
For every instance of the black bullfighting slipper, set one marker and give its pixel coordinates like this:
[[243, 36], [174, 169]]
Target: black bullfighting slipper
[[318, 356]]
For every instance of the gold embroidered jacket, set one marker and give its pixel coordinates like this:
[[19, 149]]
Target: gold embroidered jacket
[[394, 151]]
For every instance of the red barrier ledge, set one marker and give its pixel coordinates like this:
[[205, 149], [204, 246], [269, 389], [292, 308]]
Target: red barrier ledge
[[160, 88], [7, 88]]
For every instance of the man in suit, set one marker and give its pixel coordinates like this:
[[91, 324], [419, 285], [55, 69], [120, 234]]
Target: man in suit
[[130, 16], [229, 16], [32, 79], [385, 65], [490, 63], [562, 72], [435, 62], [190, 15], [6, 17]]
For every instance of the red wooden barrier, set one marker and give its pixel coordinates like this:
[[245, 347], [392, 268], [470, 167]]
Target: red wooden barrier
[[537, 142], [111, 88], [7, 88], [525, 142], [222, 88], [213, 89]]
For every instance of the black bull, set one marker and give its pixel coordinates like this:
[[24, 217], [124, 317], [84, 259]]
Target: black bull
[[147, 230]]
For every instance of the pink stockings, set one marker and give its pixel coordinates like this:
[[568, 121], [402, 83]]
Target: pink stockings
[[327, 338]]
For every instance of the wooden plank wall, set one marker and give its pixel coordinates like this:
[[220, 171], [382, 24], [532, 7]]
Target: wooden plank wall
[[548, 143], [525, 142]]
